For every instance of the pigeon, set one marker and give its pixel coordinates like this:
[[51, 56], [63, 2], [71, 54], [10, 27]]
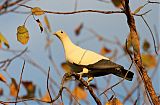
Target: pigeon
[[88, 63]]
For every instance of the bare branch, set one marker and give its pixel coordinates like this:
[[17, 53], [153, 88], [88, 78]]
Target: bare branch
[[137, 55], [18, 89]]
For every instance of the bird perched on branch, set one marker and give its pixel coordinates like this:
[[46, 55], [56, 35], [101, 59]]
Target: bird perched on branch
[[88, 63]]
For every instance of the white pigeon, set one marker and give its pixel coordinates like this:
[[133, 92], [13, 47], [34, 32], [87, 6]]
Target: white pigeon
[[88, 63]]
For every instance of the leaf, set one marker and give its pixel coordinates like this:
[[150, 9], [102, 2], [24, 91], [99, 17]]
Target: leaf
[[78, 29], [3, 40], [146, 45], [37, 11], [48, 43], [138, 9], [104, 50], [30, 88], [80, 93], [66, 67], [22, 34], [46, 97], [114, 101], [1, 91], [13, 88], [149, 61], [118, 3], [2, 78], [47, 23], [40, 25]]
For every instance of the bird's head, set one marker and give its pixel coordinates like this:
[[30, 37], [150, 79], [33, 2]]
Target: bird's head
[[60, 34]]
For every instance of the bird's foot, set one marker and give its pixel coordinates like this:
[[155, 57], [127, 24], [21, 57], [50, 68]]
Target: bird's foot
[[85, 70], [89, 80]]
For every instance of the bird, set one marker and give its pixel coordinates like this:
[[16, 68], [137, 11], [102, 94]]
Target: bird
[[88, 63]]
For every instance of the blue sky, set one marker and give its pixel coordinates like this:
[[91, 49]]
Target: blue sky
[[110, 26]]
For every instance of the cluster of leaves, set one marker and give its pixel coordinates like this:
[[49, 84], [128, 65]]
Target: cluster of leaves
[[22, 31], [29, 86]]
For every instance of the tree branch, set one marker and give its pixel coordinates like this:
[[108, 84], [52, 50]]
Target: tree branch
[[137, 55]]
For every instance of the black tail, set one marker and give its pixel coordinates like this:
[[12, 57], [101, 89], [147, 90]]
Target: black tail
[[128, 75]]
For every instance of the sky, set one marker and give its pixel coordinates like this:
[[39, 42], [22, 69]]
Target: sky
[[112, 27]]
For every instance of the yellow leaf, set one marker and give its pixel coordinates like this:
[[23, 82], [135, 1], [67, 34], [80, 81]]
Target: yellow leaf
[[3, 40], [104, 50], [114, 101], [149, 61], [66, 67], [22, 34], [13, 88], [138, 9], [2, 78], [80, 93], [47, 23], [46, 97], [37, 11], [118, 3]]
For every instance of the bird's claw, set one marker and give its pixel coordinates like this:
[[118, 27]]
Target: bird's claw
[[85, 70], [89, 80]]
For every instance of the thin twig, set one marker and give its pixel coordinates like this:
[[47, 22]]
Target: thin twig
[[154, 42], [18, 89], [48, 85]]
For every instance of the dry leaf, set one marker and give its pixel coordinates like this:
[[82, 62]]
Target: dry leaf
[[80, 93], [149, 61], [138, 9], [46, 97], [48, 43], [146, 45], [22, 34], [3, 40], [13, 88], [1, 91], [114, 101], [78, 29], [104, 50], [30, 88], [47, 23], [66, 67], [40, 25], [118, 3], [37, 11], [2, 78]]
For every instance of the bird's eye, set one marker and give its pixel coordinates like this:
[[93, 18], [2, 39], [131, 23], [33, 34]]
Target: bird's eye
[[61, 31]]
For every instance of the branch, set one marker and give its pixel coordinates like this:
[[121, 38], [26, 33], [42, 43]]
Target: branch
[[137, 55], [20, 82], [76, 12], [85, 84]]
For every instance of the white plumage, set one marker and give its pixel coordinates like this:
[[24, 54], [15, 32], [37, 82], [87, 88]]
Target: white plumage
[[82, 60]]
